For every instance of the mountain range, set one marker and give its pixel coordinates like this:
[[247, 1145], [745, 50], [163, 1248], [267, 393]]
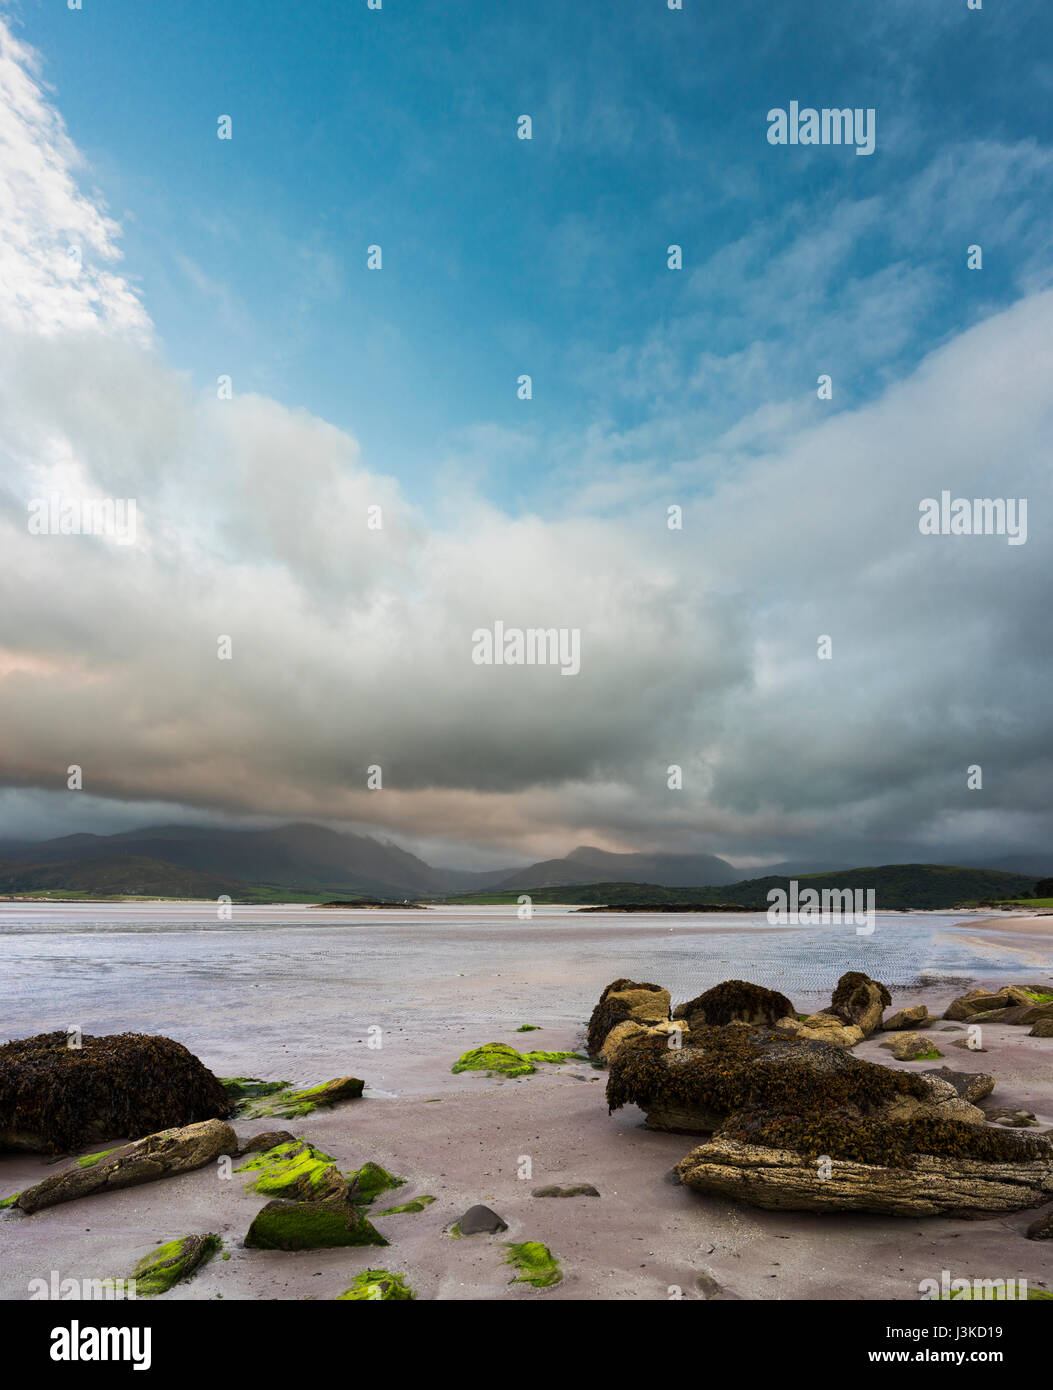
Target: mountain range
[[300, 858]]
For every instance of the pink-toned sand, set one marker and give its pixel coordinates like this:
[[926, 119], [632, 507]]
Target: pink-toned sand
[[645, 1237]]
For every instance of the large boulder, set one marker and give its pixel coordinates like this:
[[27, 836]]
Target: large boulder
[[822, 1027], [695, 1088], [160, 1155], [1009, 1177], [55, 1098], [984, 1005]]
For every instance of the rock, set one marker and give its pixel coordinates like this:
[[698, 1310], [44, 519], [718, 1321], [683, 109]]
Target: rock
[[695, 1088], [917, 1016], [974, 1001], [270, 1139], [378, 1286], [1012, 1119], [171, 1263], [293, 1105], [369, 1181], [967, 1044], [497, 1059], [480, 1221], [1042, 1029], [951, 1028], [707, 1285], [859, 1000], [618, 1034], [579, 1189], [536, 1263], [418, 1204], [160, 1155], [624, 1000], [972, 1086], [282, 1225], [1042, 1229], [55, 1098], [734, 1001], [912, 1047], [784, 1179], [983, 1001], [824, 1027], [295, 1170]]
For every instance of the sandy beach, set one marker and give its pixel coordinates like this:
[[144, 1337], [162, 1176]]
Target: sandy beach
[[473, 1138]]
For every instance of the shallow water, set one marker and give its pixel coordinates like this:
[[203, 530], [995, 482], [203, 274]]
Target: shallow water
[[295, 991]]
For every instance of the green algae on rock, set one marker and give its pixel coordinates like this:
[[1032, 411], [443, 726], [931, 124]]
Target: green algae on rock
[[495, 1057], [555, 1057], [528, 1028], [282, 1225], [295, 1169], [367, 1182], [536, 1263], [9, 1201], [417, 1204], [90, 1160], [378, 1286], [293, 1105], [502, 1059], [57, 1099], [176, 1260]]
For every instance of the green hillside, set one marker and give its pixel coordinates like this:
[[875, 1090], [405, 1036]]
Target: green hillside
[[902, 886], [129, 875]]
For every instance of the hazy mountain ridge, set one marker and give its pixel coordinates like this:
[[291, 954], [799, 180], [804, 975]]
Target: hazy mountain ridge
[[305, 858]]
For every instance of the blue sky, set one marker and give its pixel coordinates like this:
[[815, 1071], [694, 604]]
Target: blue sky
[[651, 387], [501, 256]]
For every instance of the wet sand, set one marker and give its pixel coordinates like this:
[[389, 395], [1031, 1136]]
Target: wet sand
[[464, 1139]]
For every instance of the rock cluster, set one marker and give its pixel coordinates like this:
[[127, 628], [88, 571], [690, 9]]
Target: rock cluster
[[796, 1120]]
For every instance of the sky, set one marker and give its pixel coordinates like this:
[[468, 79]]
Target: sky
[[203, 258]]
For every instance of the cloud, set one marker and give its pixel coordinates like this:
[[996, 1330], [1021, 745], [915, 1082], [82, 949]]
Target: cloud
[[352, 646]]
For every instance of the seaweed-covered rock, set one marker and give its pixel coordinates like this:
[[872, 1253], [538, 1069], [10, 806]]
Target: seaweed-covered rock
[[536, 1264], [295, 1169], [170, 1263], [622, 1001], [859, 1000], [734, 1001], [270, 1139], [293, 1105], [418, 1204], [694, 1089], [378, 1286], [55, 1098], [157, 1156], [498, 1059], [282, 1225], [369, 1181]]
